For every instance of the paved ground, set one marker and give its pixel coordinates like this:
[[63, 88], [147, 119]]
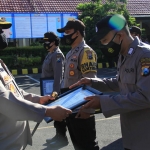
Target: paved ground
[[108, 129]]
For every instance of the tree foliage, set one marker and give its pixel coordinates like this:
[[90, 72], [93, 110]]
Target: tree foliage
[[93, 11]]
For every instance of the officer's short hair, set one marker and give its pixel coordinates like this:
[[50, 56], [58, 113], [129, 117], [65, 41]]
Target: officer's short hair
[[74, 24], [51, 36], [136, 30]]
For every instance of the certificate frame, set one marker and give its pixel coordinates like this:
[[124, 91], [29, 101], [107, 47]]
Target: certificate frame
[[73, 98], [44, 84]]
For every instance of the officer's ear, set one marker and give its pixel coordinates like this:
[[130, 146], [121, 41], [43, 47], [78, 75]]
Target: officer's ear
[[53, 42], [78, 33], [120, 34]]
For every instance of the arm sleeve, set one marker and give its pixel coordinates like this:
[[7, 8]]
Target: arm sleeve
[[30, 96], [58, 67], [105, 85], [19, 109], [132, 101]]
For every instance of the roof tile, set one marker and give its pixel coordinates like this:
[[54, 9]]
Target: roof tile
[[135, 7], [138, 7]]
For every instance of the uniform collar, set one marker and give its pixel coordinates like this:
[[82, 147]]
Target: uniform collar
[[54, 49], [78, 47], [133, 46]]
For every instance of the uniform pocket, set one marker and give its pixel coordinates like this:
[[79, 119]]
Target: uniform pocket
[[128, 78], [127, 74]]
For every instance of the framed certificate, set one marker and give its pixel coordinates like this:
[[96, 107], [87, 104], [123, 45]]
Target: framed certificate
[[73, 98], [46, 86]]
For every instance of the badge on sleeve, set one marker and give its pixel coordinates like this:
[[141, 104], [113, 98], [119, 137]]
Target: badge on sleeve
[[58, 59], [145, 66], [89, 54], [88, 62]]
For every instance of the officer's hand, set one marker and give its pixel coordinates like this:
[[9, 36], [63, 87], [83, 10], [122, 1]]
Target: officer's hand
[[46, 99], [94, 102], [85, 113], [86, 81], [57, 113], [82, 115]]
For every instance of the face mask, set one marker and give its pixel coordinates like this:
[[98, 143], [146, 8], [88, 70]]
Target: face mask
[[67, 39], [47, 45], [111, 49], [3, 40]]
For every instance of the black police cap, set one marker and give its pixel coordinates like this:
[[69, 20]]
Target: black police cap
[[4, 24], [73, 24], [49, 36], [105, 25]]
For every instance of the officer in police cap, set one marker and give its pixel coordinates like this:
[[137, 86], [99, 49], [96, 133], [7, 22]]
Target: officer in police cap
[[53, 65], [17, 107], [132, 81], [3, 39], [81, 61]]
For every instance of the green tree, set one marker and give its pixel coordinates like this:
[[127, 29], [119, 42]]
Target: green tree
[[93, 11]]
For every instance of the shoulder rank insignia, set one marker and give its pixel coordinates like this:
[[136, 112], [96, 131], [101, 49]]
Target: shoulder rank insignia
[[145, 64]]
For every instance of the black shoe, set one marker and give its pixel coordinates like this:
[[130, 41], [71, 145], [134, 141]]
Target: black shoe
[[58, 141]]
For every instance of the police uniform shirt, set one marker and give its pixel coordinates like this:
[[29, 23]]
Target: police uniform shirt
[[80, 62], [133, 103], [53, 66], [16, 106]]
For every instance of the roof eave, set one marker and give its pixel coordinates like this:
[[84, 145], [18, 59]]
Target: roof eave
[[136, 16]]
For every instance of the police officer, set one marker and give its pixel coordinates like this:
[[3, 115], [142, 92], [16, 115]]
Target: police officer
[[53, 65], [17, 107], [81, 61], [133, 82]]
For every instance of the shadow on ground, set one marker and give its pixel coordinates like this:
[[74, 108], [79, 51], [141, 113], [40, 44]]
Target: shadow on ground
[[116, 145]]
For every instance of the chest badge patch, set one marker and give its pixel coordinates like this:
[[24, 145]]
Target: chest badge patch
[[12, 88], [6, 78], [74, 58], [71, 73], [71, 65]]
